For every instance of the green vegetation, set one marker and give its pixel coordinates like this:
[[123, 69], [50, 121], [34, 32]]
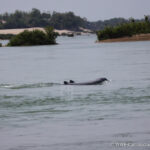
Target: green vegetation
[[0, 44], [127, 29], [6, 36], [68, 20], [35, 18], [35, 37]]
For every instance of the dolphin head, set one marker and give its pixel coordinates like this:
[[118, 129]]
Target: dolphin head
[[71, 81], [104, 79], [101, 80]]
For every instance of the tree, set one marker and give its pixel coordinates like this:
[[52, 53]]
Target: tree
[[51, 35], [132, 20], [35, 37], [146, 18]]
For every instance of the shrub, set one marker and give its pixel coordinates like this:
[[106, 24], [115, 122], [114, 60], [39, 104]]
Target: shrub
[[35, 37], [123, 30], [6, 36]]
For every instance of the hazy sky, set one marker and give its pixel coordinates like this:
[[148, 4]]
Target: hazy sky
[[91, 9]]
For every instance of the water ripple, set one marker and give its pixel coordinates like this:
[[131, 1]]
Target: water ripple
[[23, 86]]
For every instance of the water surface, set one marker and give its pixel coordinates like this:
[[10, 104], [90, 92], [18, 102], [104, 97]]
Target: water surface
[[37, 112]]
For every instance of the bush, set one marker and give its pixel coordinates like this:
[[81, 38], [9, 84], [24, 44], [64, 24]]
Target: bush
[[123, 30], [35, 37], [51, 35], [6, 36], [0, 44]]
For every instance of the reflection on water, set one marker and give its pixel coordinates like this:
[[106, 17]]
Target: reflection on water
[[38, 112]]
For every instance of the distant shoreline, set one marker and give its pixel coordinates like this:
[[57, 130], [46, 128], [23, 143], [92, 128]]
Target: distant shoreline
[[60, 32], [138, 37]]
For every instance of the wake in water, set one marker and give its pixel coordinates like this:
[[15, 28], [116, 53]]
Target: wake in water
[[23, 86], [39, 85]]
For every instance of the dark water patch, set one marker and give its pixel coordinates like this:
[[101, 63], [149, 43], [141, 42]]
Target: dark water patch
[[4, 116], [129, 95], [2, 97], [115, 97], [123, 99], [51, 110], [20, 101], [121, 96], [98, 104], [8, 101]]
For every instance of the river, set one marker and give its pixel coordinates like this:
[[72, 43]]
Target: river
[[37, 112]]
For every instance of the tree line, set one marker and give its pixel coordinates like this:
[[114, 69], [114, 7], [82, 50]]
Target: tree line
[[36, 18], [68, 20], [125, 29]]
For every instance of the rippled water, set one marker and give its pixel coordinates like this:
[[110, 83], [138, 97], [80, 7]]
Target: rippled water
[[37, 112]]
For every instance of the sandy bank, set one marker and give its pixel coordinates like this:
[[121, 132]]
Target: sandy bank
[[139, 37], [17, 31]]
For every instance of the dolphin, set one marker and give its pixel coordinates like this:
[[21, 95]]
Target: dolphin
[[95, 82]]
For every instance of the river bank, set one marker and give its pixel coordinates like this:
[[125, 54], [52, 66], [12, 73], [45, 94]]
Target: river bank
[[138, 37], [60, 32]]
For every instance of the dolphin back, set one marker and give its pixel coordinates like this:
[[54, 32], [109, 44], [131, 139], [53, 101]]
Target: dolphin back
[[94, 82]]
